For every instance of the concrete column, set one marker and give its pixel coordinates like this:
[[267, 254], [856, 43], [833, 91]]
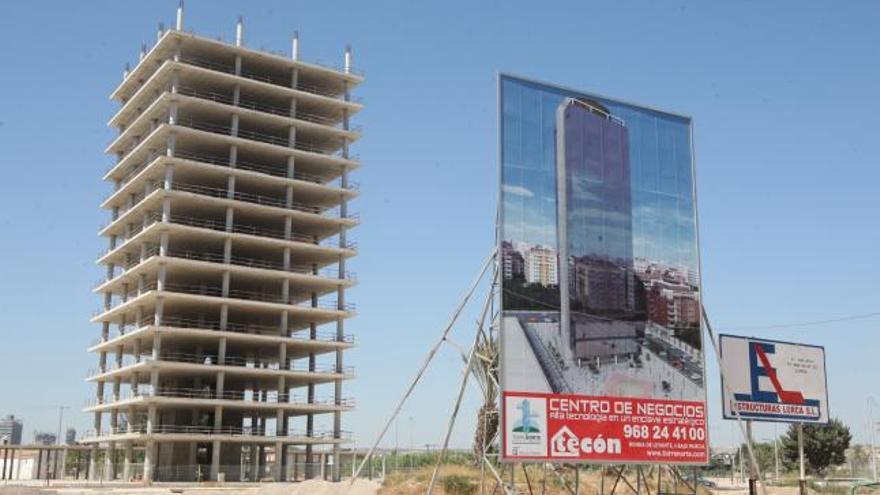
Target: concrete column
[[255, 462], [285, 290], [172, 113], [230, 187], [170, 144], [157, 344], [225, 283], [310, 396], [163, 274], [236, 95], [288, 227], [159, 315], [93, 463], [233, 156], [166, 209], [215, 458], [109, 464], [138, 317], [178, 25], [169, 177], [291, 137], [137, 350], [348, 60], [227, 250], [229, 219], [221, 351], [126, 466], [291, 167], [234, 131], [149, 460], [278, 474], [224, 316], [163, 244]]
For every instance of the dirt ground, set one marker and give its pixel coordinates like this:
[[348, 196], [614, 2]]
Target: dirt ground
[[311, 487]]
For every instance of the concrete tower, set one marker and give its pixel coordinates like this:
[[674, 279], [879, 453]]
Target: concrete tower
[[222, 328]]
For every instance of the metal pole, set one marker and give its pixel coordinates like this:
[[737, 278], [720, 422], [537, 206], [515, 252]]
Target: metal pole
[[577, 479], [427, 361], [732, 465], [752, 486], [726, 393], [872, 428], [802, 480], [60, 419], [776, 454], [464, 381]]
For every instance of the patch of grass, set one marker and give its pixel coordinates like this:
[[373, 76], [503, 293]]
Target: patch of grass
[[459, 484]]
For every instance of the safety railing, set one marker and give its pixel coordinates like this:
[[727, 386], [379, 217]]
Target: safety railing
[[283, 141], [155, 217], [246, 328], [276, 171], [209, 393], [249, 104], [327, 272], [216, 291], [243, 362], [143, 428], [276, 81], [217, 192]]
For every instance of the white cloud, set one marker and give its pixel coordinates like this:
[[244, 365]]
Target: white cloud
[[518, 191]]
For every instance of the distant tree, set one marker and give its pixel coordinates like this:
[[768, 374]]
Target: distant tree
[[763, 455], [824, 446]]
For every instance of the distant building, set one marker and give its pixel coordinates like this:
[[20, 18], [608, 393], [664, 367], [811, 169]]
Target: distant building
[[513, 263], [672, 305], [10, 430], [602, 287], [540, 266], [70, 436], [44, 438]]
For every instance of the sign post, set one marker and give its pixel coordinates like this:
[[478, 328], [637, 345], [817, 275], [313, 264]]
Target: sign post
[[802, 480], [774, 381], [752, 486]]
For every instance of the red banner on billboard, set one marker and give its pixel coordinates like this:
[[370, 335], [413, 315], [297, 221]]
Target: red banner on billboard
[[577, 428]]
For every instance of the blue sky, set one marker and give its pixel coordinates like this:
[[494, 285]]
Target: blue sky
[[785, 108]]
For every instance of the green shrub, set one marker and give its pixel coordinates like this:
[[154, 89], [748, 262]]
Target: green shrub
[[458, 484]]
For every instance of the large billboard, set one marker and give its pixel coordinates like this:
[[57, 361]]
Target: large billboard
[[769, 380], [601, 341]]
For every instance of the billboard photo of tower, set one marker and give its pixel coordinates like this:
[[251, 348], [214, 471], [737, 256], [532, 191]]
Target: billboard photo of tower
[[595, 232], [600, 270]]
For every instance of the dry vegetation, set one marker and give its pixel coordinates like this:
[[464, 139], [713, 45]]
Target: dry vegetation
[[464, 480]]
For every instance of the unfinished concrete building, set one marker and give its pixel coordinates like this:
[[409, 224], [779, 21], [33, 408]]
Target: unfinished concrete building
[[222, 327]]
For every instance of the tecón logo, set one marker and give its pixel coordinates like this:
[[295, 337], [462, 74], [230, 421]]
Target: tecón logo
[[565, 443]]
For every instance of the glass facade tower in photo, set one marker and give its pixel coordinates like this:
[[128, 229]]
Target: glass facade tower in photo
[[224, 302]]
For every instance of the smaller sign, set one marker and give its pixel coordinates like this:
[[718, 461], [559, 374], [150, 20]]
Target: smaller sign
[[568, 428], [769, 380]]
